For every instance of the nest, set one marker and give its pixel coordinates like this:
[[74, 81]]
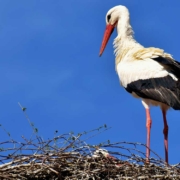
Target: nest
[[69, 157]]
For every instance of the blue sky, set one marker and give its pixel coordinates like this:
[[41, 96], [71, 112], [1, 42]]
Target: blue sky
[[49, 63]]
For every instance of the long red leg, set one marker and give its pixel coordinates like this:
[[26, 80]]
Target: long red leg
[[148, 126], [165, 131]]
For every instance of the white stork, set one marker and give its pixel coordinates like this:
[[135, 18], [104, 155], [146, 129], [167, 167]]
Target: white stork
[[147, 73]]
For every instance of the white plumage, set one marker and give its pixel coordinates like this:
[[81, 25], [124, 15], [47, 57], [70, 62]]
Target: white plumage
[[129, 71]]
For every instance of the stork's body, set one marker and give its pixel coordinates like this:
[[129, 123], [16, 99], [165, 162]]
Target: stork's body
[[146, 73]]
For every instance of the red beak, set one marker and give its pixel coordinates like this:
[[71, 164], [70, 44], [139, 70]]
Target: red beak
[[107, 34]]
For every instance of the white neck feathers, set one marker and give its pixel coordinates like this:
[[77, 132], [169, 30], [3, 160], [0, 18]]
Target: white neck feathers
[[124, 42]]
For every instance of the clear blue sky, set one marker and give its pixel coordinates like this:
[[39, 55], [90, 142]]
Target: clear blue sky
[[49, 63]]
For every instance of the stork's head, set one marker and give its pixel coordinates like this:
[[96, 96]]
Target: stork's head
[[113, 16]]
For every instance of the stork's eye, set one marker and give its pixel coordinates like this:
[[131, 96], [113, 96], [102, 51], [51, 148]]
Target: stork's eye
[[108, 17]]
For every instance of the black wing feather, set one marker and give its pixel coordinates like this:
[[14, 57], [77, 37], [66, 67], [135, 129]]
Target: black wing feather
[[172, 65], [163, 89]]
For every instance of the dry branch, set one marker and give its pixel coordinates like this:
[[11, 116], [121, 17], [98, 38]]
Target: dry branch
[[69, 157]]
